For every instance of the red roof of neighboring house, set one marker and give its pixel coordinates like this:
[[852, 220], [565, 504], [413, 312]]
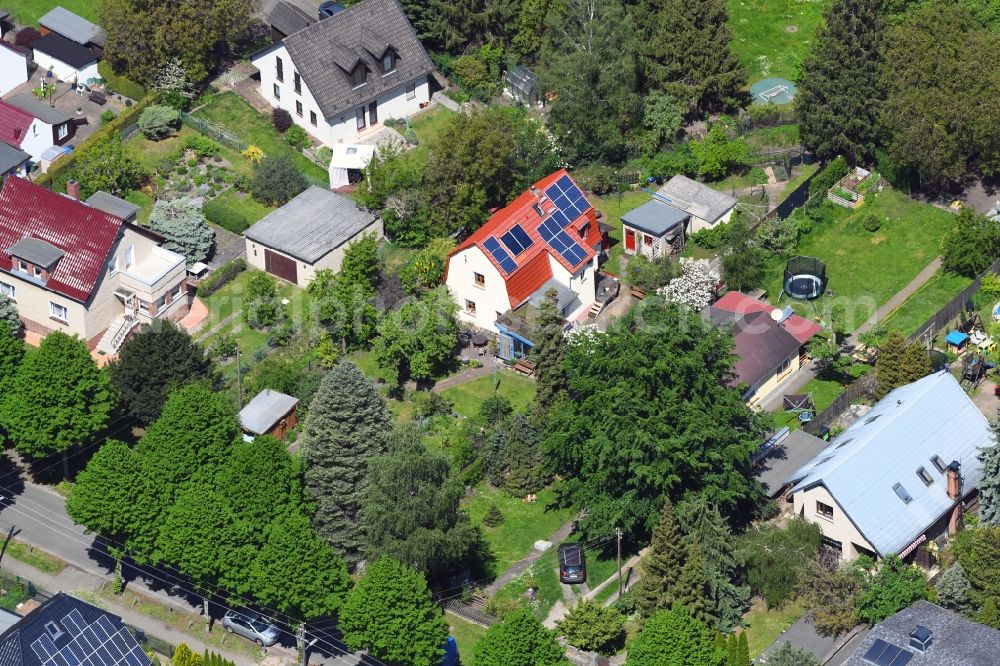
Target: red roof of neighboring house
[[801, 328], [532, 265], [85, 234], [14, 124]]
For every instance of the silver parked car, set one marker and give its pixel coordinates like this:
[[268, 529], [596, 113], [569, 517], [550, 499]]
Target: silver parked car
[[251, 625]]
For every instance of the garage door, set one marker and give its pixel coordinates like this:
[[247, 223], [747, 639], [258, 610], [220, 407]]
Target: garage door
[[283, 267]]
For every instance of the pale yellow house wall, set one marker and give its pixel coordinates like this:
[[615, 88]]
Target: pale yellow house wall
[[772, 382], [839, 528]]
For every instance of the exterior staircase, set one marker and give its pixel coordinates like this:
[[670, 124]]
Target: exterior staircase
[[119, 329]]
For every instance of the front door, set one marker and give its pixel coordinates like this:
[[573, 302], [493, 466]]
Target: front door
[[280, 266], [373, 113], [629, 240]]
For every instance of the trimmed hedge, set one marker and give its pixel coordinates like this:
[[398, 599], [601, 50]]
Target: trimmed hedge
[[221, 277], [225, 217], [129, 115], [119, 83]]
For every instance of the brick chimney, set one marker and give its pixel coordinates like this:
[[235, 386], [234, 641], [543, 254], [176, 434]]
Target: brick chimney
[[73, 189], [954, 476]]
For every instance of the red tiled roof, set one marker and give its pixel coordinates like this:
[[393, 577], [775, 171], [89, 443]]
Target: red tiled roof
[[85, 234], [533, 267], [14, 124], [801, 328]]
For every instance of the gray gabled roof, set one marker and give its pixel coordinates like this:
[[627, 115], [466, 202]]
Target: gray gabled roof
[[113, 205], [788, 455], [38, 109], [288, 19], [325, 52], [11, 157], [265, 410], [311, 225], [72, 26], [695, 198], [903, 432], [39, 252], [955, 639], [655, 218]]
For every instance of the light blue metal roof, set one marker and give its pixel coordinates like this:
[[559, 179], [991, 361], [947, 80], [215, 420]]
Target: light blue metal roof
[[930, 417]]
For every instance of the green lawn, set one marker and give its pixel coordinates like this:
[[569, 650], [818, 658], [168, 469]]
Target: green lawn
[[466, 634], [34, 557], [762, 38], [763, 625], [235, 205], [544, 576], [865, 269], [824, 390], [27, 12], [932, 296], [523, 525], [468, 396], [14, 592], [236, 116], [614, 207]]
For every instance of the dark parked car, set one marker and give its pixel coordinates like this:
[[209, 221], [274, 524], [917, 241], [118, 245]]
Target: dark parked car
[[251, 625], [572, 564]]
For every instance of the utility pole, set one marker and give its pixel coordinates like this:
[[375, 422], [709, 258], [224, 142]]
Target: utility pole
[[618, 536], [239, 374]]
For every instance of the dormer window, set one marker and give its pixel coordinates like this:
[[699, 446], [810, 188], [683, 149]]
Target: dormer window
[[359, 76], [388, 61]]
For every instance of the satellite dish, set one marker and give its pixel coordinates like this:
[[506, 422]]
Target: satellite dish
[[777, 314]]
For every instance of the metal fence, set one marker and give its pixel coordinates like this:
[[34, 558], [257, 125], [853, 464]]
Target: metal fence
[[860, 388], [214, 131], [955, 306], [130, 131]]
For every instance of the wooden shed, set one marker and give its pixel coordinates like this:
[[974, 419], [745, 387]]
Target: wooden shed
[[269, 413]]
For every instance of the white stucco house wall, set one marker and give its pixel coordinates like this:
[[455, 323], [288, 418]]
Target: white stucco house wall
[[68, 61], [33, 126], [13, 67], [347, 73]]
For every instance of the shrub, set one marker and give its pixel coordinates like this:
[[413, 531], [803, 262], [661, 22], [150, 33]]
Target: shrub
[[599, 180], [182, 171], [225, 216], [297, 137], [107, 117], [119, 84], [829, 176], [411, 137], [493, 517], [25, 36], [281, 119], [430, 403], [224, 347], [590, 626], [324, 154], [277, 180], [201, 145], [496, 408], [872, 222], [158, 121], [281, 335], [221, 277], [192, 162], [253, 153], [241, 180]]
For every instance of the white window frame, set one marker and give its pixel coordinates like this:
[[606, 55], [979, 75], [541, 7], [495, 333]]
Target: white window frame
[[22, 266], [143, 307], [8, 290], [298, 108], [62, 131], [57, 311], [37, 272], [277, 91], [388, 56], [129, 257]]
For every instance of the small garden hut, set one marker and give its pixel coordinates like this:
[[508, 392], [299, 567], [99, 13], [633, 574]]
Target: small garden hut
[[957, 341]]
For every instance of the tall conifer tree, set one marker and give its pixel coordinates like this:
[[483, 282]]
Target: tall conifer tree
[[661, 568]]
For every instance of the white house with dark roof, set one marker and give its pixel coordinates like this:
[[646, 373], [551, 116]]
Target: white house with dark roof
[[309, 233], [67, 60], [900, 476], [708, 208], [13, 67], [348, 73]]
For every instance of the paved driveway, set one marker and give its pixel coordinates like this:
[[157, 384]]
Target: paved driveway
[[802, 634]]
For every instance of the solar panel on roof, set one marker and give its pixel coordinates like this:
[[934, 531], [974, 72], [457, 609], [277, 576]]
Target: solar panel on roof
[[568, 199], [492, 245], [516, 240]]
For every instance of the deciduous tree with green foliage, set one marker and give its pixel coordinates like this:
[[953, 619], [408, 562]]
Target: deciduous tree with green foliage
[[391, 614], [153, 362], [590, 626], [58, 399], [670, 415], [743, 261], [183, 224], [892, 587], [411, 507], [11, 355], [348, 425], [717, 155], [549, 352], [832, 594], [674, 638], [840, 94], [276, 180], [972, 244], [345, 301], [109, 166], [519, 640], [978, 551], [417, 340]]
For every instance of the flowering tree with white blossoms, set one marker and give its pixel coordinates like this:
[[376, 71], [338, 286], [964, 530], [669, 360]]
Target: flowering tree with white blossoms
[[695, 287]]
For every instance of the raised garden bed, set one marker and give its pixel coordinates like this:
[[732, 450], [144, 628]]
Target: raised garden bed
[[850, 190]]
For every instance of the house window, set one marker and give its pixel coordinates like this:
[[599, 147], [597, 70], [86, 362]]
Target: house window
[[177, 291], [312, 118], [411, 90], [824, 510], [647, 240], [298, 108], [297, 83], [63, 130], [480, 280], [60, 312], [38, 272], [129, 257], [8, 290], [279, 70], [470, 307], [783, 368], [361, 118], [162, 301], [113, 267], [925, 476], [143, 307], [277, 91], [359, 76], [584, 230], [388, 61], [939, 464], [23, 266]]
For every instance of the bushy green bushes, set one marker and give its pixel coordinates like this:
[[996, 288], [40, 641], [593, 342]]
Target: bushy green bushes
[[297, 137], [119, 84], [224, 216], [202, 145], [158, 121], [221, 277]]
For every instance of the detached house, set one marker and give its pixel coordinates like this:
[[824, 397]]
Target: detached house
[[77, 269], [899, 478], [348, 72], [547, 238], [33, 126]]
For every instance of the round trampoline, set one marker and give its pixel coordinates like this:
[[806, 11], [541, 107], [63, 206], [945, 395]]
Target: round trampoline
[[773, 91], [805, 278]]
